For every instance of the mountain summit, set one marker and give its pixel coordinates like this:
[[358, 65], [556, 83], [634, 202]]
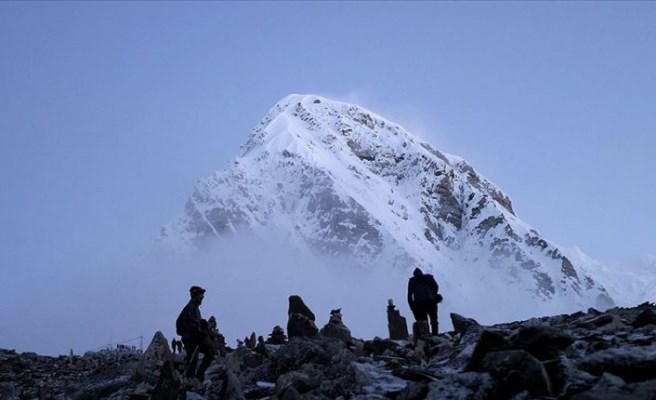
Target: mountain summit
[[335, 179]]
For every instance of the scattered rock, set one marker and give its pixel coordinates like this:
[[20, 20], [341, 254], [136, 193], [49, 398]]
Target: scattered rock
[[543, 342], [517, 370], [461, 324], [608, 355], [169, 385], [420, 330], [646, 317], [488, 341]]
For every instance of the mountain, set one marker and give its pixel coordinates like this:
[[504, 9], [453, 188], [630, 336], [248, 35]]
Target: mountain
[[335, 179], [629, 281]]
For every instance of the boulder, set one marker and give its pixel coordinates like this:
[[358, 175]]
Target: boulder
[[646, 317], [631, 363], [543, 342], [232, 387], [488, 341], [515, 371], [169, 385], [158, 352], [462, 324]]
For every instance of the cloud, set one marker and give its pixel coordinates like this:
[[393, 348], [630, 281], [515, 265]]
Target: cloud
[[101, 302], [414, 119], [249, 281], [358, 96]]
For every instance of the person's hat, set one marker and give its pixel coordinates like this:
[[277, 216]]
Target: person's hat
[[196, 290]]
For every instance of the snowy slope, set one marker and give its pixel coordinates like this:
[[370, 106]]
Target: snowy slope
[[629, 282], [336, 179]]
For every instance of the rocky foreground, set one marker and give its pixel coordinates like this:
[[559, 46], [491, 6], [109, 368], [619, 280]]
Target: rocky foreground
[[586, 355]]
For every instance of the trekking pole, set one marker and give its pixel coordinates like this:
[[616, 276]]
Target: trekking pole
[[184, 374]]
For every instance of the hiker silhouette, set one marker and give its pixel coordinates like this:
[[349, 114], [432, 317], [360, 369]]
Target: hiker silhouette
[[423, 298], [195, 336]]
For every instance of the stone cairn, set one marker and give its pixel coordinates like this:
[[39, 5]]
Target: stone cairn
[[336, 328], [277, 336], [397, 325], [301, 319]]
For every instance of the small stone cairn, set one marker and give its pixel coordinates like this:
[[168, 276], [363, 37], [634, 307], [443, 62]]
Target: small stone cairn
[[397, 325], [336, 328], [301, 319], [277, 336]]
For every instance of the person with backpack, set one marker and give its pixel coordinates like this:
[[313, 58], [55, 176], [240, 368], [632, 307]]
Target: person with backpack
[[423, 297], [195, 337]]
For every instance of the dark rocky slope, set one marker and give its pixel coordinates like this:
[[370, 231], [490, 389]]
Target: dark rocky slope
[[586, 355]]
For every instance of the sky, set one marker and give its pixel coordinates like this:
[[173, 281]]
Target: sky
[[111, 111]]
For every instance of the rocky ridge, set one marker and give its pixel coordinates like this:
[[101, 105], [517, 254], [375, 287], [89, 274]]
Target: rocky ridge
[[580, 356]]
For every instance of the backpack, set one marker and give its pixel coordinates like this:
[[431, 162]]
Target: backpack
[[430, 281], [179, 324], [432, 284]]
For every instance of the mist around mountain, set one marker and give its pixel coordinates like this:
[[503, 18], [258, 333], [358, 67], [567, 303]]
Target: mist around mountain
[[629, 281], [332, 181], [338, 214]]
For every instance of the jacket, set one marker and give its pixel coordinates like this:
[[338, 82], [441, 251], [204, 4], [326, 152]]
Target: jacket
[[191, 320], [422, 287]]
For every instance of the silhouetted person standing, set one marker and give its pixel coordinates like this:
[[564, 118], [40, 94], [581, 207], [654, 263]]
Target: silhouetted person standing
[[195, 336], [423, 298]]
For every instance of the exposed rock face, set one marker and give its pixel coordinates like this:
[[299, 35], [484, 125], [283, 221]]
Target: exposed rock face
[[594, 355], [336, 179]]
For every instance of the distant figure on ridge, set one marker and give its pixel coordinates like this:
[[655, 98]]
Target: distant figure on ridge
[[195, 336], [423, 298]]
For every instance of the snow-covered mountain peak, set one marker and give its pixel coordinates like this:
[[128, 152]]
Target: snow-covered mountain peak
[[335, 179], [330, 125], [335, 135]]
